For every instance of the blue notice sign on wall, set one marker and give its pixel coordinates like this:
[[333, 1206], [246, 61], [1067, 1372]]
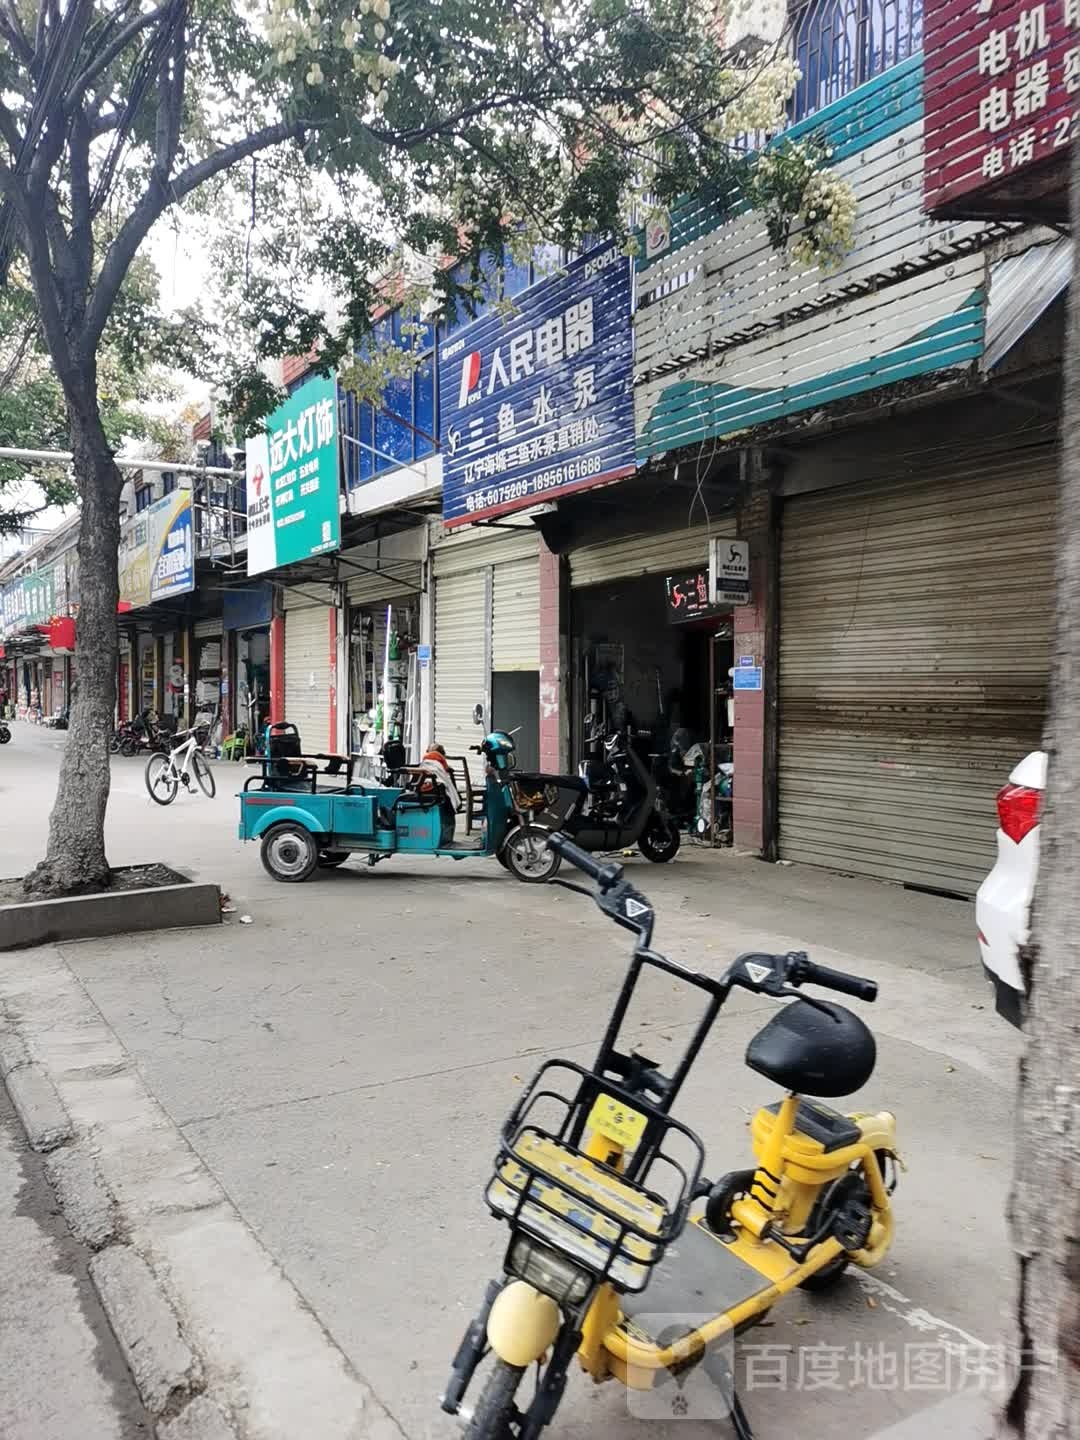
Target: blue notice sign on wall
[[747, 677], [541, 403]]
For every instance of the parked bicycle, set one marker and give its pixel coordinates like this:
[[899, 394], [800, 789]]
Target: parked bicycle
[[166, 773]]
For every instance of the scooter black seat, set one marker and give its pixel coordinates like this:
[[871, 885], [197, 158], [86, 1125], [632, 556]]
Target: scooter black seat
[[815, 1051], [564, 782]]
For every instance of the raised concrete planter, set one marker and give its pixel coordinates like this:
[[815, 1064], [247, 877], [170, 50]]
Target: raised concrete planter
[[175, 905]]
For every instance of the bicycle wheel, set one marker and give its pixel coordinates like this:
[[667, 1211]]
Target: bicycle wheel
[[161, 779], [204, 775]]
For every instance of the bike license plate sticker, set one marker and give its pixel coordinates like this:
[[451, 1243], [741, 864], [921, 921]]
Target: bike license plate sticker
[[616, 1121]]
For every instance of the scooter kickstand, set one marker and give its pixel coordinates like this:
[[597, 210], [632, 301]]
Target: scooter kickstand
[[739, 1422]]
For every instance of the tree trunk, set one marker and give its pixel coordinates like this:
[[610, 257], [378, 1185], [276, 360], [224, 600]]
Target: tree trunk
[[1044, 1395], [75, 860]]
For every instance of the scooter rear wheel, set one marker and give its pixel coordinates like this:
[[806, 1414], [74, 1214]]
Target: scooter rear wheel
[[659, 842], [825, 1278], [495, 1408]]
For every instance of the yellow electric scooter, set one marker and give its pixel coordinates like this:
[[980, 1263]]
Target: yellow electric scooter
[[597, 1182]]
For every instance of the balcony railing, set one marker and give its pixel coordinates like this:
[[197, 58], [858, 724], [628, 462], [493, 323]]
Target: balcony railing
[[840, 44]]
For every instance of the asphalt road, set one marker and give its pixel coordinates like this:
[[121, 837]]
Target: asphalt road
[[343, 1062]]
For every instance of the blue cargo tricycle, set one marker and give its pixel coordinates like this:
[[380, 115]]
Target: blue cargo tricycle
[[311, 812]]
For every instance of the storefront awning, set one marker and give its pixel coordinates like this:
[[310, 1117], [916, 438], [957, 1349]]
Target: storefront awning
[[1022, 288]]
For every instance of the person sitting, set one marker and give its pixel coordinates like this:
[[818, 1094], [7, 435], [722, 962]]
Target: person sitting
[[434, 776]]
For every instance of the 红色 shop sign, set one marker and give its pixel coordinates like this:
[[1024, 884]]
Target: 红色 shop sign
[[539, 403], [292, 480], [1002, 88]]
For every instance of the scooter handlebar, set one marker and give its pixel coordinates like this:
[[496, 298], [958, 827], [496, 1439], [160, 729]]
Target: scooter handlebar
[[605, 875], [810, 974]]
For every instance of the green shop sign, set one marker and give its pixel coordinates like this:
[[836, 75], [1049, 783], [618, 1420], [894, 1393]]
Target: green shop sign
[[29, 600], [292, 481]]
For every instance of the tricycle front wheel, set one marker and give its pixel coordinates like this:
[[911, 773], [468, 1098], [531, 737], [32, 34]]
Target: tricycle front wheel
[[527, 856], [289, 852]]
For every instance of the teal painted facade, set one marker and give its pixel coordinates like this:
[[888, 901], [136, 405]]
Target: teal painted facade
[[846, 318]]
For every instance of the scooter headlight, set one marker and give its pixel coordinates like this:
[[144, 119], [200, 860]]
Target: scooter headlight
[[548, 1271]]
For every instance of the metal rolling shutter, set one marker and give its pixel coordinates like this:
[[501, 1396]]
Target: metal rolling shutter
[[387, 589], [915, 630], [642, 555], [515, 615], [460, 660], [307, 674]]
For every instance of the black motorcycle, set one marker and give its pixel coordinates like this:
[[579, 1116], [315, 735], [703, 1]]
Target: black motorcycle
[[623, 805], [5, 733]]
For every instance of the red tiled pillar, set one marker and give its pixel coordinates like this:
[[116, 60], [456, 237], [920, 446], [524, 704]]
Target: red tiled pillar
[[550, 663], [756, 632], [748, 805], [277, 668], [332, 639]]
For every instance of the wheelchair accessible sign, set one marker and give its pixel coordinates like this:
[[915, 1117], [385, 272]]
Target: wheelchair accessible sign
[[292, 480]]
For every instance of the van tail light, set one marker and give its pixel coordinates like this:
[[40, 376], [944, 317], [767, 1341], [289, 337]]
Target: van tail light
[[1018, 809]]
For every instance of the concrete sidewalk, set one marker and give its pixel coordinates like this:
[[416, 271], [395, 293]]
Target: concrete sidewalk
[[341, 1066]]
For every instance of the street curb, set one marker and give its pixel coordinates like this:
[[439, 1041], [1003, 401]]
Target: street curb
[[13, 1052], [110, 912], [39, 1107], [166, 1372], [201, 1420], [220, 1344], [89, 1208]]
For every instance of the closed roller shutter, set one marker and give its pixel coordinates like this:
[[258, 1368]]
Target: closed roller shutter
[[367, 590], [460, 659], [915, 632], [456, 552], [515, 616], [641, 555], [307, 675]]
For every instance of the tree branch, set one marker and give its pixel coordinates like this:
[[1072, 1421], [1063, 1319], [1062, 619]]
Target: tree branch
[[48, 111], [115, 47], [11, 25], [171, 76], [36, 243], [102, 124], [82, 244], [9, 131], [160, 195]]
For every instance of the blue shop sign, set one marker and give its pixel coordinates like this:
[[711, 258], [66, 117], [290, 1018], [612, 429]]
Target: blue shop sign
[[540, 403], [248, 606]]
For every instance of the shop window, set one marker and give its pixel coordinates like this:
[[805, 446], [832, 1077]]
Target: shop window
[[401, 429], [840, 44], [393, 424], [516, 277], [424, 407]]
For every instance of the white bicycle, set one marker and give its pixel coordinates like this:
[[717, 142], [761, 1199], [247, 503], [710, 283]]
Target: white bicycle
[[166, 773]]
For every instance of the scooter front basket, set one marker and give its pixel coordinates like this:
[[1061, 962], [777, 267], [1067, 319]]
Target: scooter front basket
[[615, 1223]]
